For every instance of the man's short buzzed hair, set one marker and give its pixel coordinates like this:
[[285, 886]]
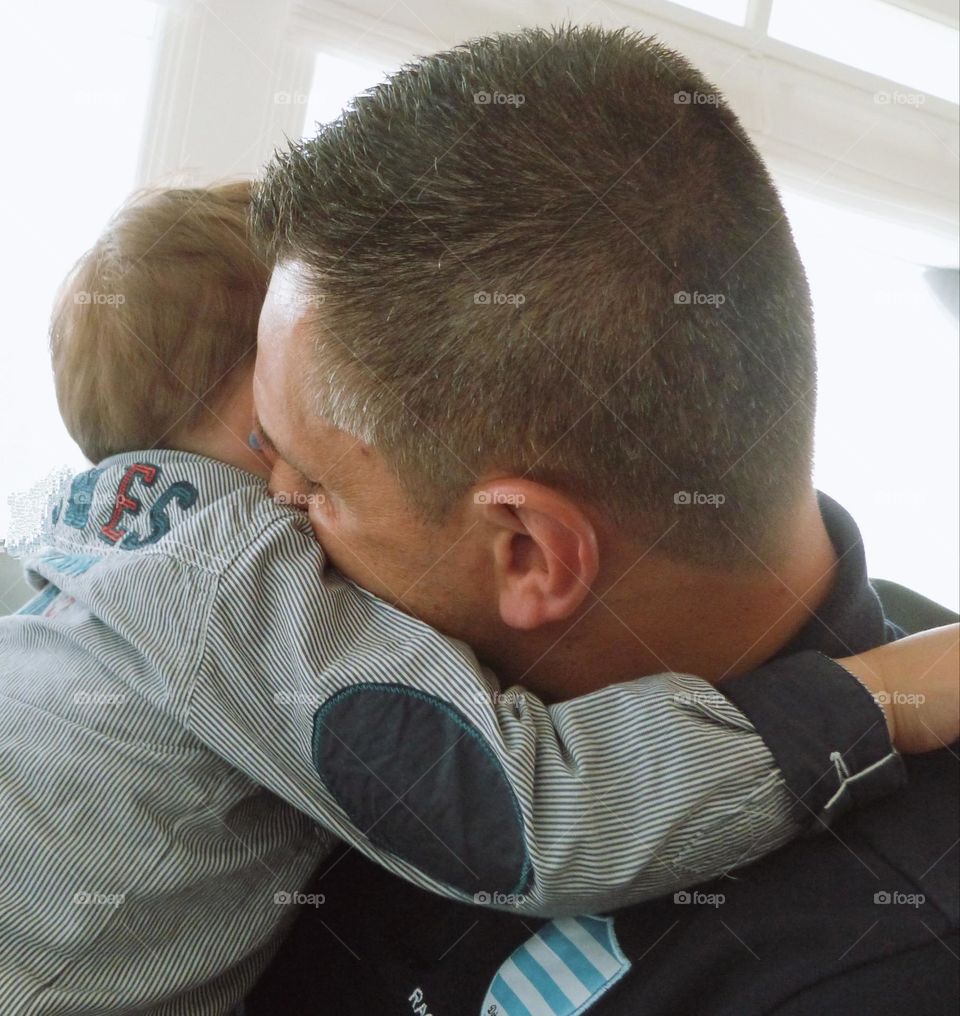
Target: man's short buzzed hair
[[557, 254]]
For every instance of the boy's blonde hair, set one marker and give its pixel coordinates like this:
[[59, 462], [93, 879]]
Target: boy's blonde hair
[[156, 316]]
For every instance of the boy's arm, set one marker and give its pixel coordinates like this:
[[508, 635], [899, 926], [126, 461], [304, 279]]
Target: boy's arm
[[389, 735], [915, 681], [911, 702]]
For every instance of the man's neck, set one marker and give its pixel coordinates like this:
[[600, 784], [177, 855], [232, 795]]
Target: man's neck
[[668, 616]]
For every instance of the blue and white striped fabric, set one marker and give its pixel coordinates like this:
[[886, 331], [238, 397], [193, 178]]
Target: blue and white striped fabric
[[158, 792], [561, 971]]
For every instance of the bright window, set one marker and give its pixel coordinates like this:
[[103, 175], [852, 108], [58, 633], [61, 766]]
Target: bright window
[[734, 11], [76, 79], [337, 80], [876, 37], [888, 433]]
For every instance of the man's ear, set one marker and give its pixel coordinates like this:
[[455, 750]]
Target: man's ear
[[545, 553]]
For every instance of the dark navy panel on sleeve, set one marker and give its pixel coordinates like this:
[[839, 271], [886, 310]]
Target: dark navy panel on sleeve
[[419, 780]]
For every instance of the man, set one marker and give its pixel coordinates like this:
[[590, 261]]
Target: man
[[552, 269]]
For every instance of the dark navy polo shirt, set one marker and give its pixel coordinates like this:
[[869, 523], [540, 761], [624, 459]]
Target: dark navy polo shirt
[[860, 918]]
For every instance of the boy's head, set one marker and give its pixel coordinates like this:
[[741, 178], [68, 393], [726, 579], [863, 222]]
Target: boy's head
[[154, 332]]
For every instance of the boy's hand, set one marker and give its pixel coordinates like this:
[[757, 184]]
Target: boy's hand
[[917, 682]]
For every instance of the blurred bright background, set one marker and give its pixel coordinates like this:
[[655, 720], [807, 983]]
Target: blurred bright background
[[852, 102]]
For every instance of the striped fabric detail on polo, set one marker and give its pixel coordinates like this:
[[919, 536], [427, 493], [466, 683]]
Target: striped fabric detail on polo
[[561, 971]]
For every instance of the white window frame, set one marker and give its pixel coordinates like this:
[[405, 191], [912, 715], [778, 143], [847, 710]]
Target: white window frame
[[814, 120]]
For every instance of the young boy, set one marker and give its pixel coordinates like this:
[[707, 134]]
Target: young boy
[[193, 690]]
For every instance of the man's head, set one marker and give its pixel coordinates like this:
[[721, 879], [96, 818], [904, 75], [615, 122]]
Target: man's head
[[552, 260], [153, 335]]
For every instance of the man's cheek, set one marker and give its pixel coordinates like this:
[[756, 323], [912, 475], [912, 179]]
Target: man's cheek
[[354, 558], [341, 550]]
